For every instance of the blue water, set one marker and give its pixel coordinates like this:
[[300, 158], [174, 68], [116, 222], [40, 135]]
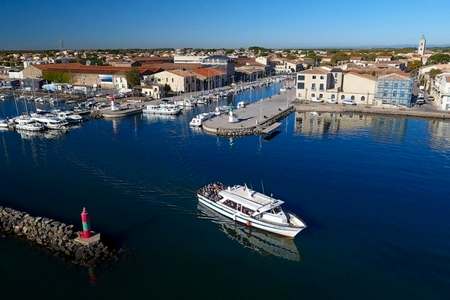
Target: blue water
[[374, 192]]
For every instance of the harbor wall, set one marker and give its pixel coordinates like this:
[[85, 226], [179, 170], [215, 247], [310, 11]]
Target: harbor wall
[[56, 237], [399, 112]]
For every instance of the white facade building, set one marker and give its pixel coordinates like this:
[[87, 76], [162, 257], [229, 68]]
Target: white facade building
[[188, 59], [324, 84], [178, 80], [441, 91]]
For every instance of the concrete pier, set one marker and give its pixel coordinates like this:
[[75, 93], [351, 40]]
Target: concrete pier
[[252, 119]]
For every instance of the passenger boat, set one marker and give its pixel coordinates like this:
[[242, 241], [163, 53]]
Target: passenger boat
[[250, 208], [162, 109]]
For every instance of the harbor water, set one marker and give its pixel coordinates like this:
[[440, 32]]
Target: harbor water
[[373, 190]]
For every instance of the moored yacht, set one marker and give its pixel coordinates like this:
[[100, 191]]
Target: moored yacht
[[69, 117], [162, 109], [56, 124], [250, 208], [29, 125], [198, 120]]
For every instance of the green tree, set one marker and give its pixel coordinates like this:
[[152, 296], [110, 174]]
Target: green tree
[[439, 58], [338, 57], [133, 77], [434, 72], [57, 76], [413, 65]]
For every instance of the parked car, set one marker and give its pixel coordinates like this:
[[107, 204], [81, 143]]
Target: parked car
[[420, 101], [314, 99], [332, 101], [348, 102]]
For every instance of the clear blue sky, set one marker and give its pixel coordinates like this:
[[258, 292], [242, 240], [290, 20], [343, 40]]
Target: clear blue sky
[[38, 24]]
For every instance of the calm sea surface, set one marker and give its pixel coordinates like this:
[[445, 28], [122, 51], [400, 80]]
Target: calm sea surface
[[374, 191]]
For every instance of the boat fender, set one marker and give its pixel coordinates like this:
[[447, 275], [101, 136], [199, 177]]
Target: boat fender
[[249, 224]]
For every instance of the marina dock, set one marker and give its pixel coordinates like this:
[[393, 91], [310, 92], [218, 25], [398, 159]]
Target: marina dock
[[256, 118]]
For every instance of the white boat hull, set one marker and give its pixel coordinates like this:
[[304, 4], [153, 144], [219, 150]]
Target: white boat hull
[[286, 231]]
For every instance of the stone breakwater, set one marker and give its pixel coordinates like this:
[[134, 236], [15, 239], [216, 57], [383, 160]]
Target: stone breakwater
[[56, 237]]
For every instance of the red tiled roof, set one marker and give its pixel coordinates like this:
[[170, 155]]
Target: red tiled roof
[[79, 68], [315, 71], [209, 72], [182, 73]]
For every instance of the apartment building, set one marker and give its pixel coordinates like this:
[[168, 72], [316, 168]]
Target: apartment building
[[394, 89], [441, 91], [324, 84]]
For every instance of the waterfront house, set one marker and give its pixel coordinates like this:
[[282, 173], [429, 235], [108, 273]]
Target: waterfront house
[[394, 89], [178, 80], [441, 91], [155, 91], [332, 84], [107, 77], [210, 78]]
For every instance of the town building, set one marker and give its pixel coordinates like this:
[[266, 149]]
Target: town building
[[250, 72], [333, 84], [189, 59], [106, 77], [394, 89], [178, 80], [210, 78], [441, 91], [383, 59], [155, 91]]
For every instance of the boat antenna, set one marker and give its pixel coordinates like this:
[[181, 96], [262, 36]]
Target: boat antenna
[[262, 185]]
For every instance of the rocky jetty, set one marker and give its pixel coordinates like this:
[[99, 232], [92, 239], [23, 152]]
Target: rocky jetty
[[56, 237]]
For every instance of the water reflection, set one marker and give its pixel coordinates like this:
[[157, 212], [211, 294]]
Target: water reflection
[[439, 134], [50, 134], [317, 124], [154, 118], [251, 238], [321, 124]]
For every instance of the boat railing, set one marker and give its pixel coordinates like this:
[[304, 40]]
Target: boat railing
[[211, 191]]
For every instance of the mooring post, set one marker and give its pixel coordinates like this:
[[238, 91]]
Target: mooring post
[[87, 236], [86, 233]]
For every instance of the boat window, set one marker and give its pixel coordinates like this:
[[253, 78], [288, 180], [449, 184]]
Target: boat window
[[276, 210]]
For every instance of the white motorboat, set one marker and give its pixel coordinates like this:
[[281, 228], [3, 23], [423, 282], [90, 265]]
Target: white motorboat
[[202, 101], [162, 109], [56, 124], [198, 120], [6, 124], [185, 102], [30, 126], [250, 208], [69, 117]]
